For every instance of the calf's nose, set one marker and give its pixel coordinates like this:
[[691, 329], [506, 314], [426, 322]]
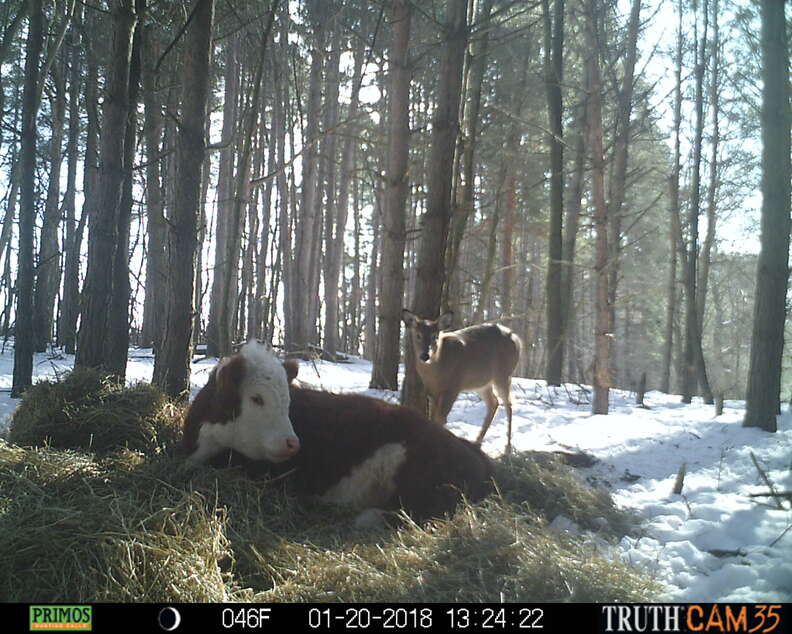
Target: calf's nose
[[292, 445]]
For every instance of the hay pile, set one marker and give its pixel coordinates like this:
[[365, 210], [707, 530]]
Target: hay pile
[[83, 526], [89, 410]]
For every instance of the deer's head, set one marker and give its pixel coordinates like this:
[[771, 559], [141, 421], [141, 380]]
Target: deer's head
[[424, 332]]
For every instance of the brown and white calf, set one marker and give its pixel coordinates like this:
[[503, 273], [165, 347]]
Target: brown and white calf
[[352, 449]]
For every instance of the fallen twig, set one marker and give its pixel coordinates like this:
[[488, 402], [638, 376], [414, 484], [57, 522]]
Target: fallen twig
[[767, 482]]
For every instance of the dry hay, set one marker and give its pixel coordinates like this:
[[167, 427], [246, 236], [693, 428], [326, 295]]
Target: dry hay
[[87, 409], [78, 526]]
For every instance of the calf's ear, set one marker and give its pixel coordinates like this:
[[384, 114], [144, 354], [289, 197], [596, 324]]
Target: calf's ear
[[230, 372], [292, 368]]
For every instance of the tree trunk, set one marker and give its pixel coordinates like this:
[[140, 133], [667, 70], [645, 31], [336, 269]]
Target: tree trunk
[[571, 222], [694, 367], [603, 328], [299, 330], [23, 330], [618, 174], [67, 324], [156, 257], [103, 223], [48, 268], [370, 341], [224, 198], [767, 342], [386, 360], [117, 343], [675, 223], [332, 213], [172, 364], [712, 188], [553, 77], [478, 53], [436, 220]]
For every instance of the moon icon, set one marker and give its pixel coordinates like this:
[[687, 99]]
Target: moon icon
[[169, 619]]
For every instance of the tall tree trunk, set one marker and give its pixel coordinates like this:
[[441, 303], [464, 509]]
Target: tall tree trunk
[[48, 268], [436, 220], [279, 124], [618, 174], [103, 223], [299, 331], [224, 198], [767, 341], [386, 360], [261, 302], [156, 263], [571, 222], [23, 330], [478, 54], [694, 367], [67, 324], [489, 262], [172, 363], [332, 212], [676, 247], [603, 327], [712, 187], [241, 197], [370, 343], [117, 342], [553, 76], [507, 241]]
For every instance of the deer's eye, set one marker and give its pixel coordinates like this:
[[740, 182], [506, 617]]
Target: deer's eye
[[257, 400]]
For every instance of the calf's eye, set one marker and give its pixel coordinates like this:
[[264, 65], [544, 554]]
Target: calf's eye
[[257, 400]]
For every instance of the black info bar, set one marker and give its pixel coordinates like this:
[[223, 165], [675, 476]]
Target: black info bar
[[707, 618]]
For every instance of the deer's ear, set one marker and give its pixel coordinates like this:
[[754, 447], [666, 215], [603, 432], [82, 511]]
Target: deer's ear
[[445, 320], [409, 318]]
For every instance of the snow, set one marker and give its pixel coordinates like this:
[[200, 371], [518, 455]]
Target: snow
[[711, 543]]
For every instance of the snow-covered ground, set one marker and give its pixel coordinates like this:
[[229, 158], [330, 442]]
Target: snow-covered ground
[[711, 543]]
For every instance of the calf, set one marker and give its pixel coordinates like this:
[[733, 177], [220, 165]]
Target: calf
[[352, 449]]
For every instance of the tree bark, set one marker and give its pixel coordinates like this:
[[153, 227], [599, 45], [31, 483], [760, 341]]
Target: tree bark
[[694, 368], [386, 359], [299, 332], [224, 198], [603, 328], [553, 77], [117, 341], [767, 341], [103, 223], [478, 54], [674, 224], [436, 220], [23, 330], [48, 268], [67, 325], [156, 259], [172, 364]]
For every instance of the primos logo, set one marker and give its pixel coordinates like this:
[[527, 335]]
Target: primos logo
[[60, 617]]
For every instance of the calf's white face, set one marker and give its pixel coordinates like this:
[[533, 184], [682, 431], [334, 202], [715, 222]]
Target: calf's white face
[[255, 382]]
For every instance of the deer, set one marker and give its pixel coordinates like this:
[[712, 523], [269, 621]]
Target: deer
[[481, 358]]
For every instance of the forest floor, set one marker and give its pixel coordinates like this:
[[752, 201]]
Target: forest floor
[[714, 542]]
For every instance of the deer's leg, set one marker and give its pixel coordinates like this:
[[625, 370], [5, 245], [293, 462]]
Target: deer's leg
[[488, 396], [503, 392], [443, 403]]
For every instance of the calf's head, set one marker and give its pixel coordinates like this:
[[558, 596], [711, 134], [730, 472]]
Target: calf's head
[[424, 332], [245, 407]]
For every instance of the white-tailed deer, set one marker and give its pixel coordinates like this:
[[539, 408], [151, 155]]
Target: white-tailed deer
[[480, 358]]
